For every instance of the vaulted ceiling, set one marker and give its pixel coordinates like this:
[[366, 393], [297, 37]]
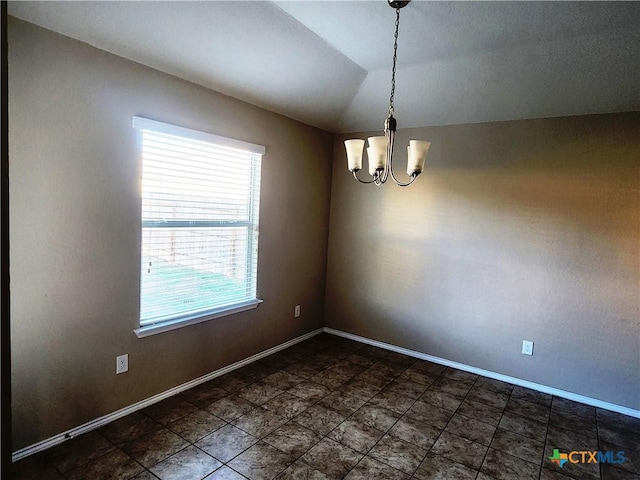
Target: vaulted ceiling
[[328, 63]]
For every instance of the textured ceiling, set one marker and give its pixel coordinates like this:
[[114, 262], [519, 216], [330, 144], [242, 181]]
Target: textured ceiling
[[327, 63]]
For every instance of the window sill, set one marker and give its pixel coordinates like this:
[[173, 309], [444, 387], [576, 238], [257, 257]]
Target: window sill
[[174, 324]]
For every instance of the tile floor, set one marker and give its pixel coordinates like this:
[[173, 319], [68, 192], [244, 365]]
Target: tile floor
[[331, 408]]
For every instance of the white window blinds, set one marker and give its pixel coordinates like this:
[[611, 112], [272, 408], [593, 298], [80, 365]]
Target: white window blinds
[[200, 204]]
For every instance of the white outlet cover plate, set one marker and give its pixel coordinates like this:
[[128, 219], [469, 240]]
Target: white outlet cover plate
[[122, 363], [527, 347]]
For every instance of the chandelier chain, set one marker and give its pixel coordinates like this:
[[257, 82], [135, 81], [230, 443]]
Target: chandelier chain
[[395, 56]]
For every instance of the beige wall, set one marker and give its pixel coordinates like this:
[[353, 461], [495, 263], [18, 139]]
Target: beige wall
[[75, 232], [516, 230]]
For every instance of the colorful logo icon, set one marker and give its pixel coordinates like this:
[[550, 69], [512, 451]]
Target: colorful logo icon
[[559, 458], [587, 456]]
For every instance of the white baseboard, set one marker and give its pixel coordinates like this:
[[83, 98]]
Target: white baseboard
[[99, 422], [486, 373]]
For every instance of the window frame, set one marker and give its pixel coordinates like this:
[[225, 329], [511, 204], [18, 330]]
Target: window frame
[[140, 124]]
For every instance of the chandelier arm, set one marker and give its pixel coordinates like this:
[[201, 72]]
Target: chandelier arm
[[391, 134], [400, 184], [363, 181]]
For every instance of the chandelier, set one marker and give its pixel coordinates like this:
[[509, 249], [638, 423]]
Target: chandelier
[[380, 149]]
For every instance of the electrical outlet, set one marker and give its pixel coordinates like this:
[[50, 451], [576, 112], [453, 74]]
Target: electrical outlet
[[296, 311], [122, 363], [527, 347]]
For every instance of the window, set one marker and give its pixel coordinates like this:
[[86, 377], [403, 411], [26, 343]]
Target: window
[[200, 202]]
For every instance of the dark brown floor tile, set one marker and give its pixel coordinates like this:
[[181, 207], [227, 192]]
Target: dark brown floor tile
[[114, 465], [429, 414], [129, 428], [427, 367], [533, 396], [611, 472], [547, 474], [376, 417], [373, 352], [283, 380], [330, 379], [225, 473], [292, 438], [155, 447], [287, 405], [574, 423], [522, 447], [259, 422], [301, 471], [484, 476], [437, 467], [369, 468], [259, 393], [398, 454], [190, 463], [569, 408], [392, 401], [491, 398], [42, 472], [78, 451], [232, 381], [345, 367], [310, 391], [524, 426], [196, 425], [531, 410], [623, 438], [31, 465], [304, 370], [261, 462], [319, 419], [400, 359], [481, 412], [169, 410], [414, 375], [406, 387], [471, 429], [453, 387], [460, 450], [256, 370], [332, 458], [415, 432], [618, 421], [390, 370], [522, 434], [226, 443], [231, 407], [204, 394], [374, 378], [632, 455], [495, 385], [567, 440], [502, 466], [360, 389], [361, 360], [342, 403], [460, 375], [356, 435], [279, 360], [441, 399], [146, 475]]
